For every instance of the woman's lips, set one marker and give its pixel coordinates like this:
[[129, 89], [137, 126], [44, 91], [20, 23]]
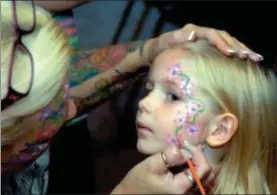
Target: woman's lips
[[143, 130]]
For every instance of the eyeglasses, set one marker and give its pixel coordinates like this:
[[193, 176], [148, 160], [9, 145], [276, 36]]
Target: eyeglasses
[[19, 47]]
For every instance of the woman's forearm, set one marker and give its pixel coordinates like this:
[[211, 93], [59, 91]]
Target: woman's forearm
[[102, 72]]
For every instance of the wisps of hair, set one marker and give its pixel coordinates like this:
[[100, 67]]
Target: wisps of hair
[[50, 50]]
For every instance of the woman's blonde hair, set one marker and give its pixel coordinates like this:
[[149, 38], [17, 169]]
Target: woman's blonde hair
[[242, 88], [51, 55]]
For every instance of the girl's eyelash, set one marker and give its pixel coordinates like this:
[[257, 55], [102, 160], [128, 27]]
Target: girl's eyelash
[[171, 97]]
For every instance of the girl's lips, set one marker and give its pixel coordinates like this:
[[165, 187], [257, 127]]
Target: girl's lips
[[143, 129], [142, 126]]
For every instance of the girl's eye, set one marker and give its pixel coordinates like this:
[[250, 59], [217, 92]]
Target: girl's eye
[[170, 97]]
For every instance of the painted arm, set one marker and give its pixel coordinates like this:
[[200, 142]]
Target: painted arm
[[98, 74], [58, 6]]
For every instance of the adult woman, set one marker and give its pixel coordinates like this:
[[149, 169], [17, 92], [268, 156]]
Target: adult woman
[[35, 94]]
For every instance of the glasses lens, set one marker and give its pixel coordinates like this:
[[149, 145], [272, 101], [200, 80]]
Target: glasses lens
[[24, 23], [22, 70]]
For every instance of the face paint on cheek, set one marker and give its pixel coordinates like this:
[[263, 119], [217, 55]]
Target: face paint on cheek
[[192, 129], [194, 107], [173, 140], [185, 121]]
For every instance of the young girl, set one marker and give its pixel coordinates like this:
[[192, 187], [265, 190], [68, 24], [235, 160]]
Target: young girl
[[197, 96]]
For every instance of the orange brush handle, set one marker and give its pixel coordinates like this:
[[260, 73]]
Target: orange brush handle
[[196, 178]]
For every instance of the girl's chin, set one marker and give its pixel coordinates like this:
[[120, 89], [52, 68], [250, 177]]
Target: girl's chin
[[147, 149]]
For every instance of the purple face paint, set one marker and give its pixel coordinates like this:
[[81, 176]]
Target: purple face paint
[[174, 71], [173, 140], [186, 120], [193, 129], [180, 120]]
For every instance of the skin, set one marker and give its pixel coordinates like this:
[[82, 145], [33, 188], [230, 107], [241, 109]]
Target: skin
[[57, 6], [175, 103], [168, 102]]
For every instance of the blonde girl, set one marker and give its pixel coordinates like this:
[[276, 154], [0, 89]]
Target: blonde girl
[[197, 96]]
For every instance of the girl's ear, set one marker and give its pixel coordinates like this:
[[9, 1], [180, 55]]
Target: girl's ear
[[222, 129], [72, 109]]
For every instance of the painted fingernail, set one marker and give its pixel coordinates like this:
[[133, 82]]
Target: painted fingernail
[[191, 36], [231, 50], [187, 145], [261, 58], [245, 52], [256, 57]]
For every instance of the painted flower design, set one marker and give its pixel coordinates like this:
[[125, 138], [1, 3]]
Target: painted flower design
[[180, 119], [193, 108], [174, 71], [188, 89], [186, 85], [171, 140], [193, 129]]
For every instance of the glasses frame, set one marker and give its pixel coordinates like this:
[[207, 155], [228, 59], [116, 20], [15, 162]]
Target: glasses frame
[[12, 95]]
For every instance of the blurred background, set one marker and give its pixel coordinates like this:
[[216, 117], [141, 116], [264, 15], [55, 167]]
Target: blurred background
[[95, 159], [104, 22]]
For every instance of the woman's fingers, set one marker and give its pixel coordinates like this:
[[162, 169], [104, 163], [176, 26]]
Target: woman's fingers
[[240, 49], [160, 162], [210, 34], [223, 41], [182, 181]]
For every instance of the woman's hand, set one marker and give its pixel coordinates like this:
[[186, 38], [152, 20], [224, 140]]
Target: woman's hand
[[153, 177], [227, 44]]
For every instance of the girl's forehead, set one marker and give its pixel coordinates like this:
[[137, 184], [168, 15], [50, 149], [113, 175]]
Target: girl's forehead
[[172, 57]]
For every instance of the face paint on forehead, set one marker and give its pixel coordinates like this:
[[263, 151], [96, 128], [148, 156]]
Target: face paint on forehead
[[185, 84], [185, 119]]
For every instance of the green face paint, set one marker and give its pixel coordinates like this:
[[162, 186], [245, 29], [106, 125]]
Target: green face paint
[[185, 120]]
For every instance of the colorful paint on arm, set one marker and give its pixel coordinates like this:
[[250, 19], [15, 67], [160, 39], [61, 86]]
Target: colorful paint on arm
[[88, 67], [88, 64], [104, 89]]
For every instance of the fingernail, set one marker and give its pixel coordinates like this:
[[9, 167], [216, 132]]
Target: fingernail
[[256, 57], [186, 154], [260, 57], [245, 52], [187, 145], [231, 50], [191, 36]]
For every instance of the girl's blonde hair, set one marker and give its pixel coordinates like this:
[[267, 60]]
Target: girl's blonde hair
[[242, 88], [51, 54]]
